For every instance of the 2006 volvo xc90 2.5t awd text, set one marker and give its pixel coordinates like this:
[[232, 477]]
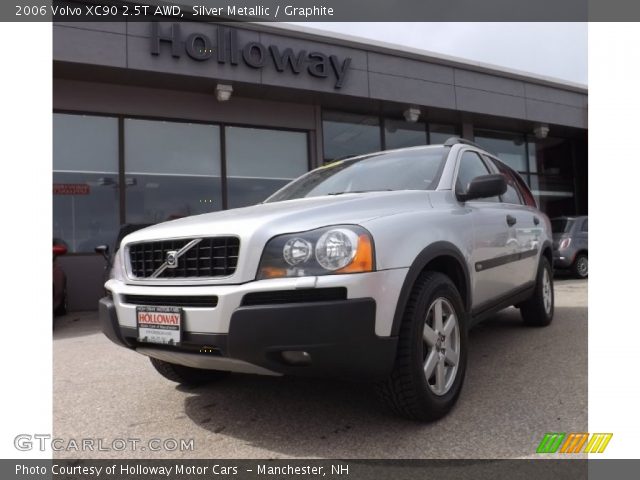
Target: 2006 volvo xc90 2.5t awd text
[[373, 267]]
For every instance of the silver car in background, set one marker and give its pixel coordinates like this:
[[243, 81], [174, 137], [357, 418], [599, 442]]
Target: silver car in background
[[370, 268], [571, 244]]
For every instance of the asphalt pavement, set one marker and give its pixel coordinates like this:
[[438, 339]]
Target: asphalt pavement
[[521, 383]]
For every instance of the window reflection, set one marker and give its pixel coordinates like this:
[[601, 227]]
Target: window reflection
[[261, 161], [85, 180], [400, 134], [439, 133], [172, 170], [510, 148], [347, 134], [555, 195]]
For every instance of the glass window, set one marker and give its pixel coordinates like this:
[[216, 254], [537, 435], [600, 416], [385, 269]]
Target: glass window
[[551, 156], [554, 195], [561, 225], [261, 161], [471, 166], [400, 134], [172, 170], [438, 134], [511, 195], [509, 147], [585, 225], [346, 135], [525, 194], [85, 180], [404, 170]]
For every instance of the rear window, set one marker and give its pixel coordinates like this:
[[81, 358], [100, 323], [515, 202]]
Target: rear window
[[517, 190], [561, 225]]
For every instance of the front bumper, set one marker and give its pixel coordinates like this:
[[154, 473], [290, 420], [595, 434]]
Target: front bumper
[[338, 337]]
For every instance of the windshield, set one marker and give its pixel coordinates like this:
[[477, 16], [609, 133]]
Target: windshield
[[418, 169], [561, 225]]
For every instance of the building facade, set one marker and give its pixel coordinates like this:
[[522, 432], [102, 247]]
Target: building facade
[[154, 121]]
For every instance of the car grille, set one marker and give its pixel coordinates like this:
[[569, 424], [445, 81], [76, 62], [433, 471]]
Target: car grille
[[210, 257]]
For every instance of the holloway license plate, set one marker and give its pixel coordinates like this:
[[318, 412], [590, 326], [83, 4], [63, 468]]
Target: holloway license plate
[[159, 324]]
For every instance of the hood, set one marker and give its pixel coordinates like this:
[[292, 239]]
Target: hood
[[256, 225], [288, 216]]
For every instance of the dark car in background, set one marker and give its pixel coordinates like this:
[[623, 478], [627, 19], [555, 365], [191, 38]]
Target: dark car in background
[[108, 252], [571, 244], [59, 279]]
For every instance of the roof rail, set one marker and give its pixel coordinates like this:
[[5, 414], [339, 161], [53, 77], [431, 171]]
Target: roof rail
[[451, 141]]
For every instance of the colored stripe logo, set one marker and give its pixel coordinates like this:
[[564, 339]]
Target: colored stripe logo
[[561, 442]]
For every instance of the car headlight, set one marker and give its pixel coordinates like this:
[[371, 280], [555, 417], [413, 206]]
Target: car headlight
[[117, 269], [329, 250]]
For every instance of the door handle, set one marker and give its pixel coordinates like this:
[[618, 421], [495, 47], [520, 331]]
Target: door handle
[[536, 220], [511, 220]]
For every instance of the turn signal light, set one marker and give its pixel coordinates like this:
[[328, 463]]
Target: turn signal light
[[363, 261]]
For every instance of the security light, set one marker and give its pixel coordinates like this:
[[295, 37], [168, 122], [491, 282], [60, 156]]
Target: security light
[[223, 92], [541, 130], [412, 114]]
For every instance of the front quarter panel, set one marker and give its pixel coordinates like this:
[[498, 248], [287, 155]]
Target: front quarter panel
[[400, 238]]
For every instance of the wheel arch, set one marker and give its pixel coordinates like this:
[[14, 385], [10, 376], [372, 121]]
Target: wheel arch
[[547, 252], [443, 257]]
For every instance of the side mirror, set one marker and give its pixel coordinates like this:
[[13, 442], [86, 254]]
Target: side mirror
[[103, 250], [484, 186], [59, 250]]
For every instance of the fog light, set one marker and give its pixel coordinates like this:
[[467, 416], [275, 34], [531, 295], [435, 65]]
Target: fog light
[[296, 357]]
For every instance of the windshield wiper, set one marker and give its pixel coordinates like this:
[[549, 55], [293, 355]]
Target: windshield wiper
[[360, 191]]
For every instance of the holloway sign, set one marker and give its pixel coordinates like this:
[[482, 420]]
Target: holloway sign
[[200, 47]]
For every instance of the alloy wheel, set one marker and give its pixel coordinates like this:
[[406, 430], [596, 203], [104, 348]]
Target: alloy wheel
[[547, 293], [441, 346], [582, 266]]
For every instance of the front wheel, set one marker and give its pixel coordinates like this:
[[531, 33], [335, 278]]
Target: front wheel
[[538, 310], [62, 308], [432, 351], [186, 375], [581, 266]]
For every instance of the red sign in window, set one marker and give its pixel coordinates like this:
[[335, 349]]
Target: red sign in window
[[71, 189]]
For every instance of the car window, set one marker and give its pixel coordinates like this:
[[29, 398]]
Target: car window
[[525, 193], [561, 225], [512, 194], [414, 169], [471, 166], [585, 225]]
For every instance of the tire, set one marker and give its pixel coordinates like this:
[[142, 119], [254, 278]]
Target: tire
[[186, 375], [538, 310], [62, 308], [409, 391], [580, 267]]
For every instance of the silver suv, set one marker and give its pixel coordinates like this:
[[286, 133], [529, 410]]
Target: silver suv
[[373, 268]]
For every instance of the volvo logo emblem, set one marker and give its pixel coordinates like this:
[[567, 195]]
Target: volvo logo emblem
[[172, 256], [172, 259]]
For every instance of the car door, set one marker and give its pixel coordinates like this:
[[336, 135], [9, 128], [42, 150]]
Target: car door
[[489, 230], [524, 229]]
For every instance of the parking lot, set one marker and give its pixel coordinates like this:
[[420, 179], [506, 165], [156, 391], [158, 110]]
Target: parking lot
[[521, 382]]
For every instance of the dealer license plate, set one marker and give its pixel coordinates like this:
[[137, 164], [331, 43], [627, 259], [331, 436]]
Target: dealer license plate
[[159, 324]]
